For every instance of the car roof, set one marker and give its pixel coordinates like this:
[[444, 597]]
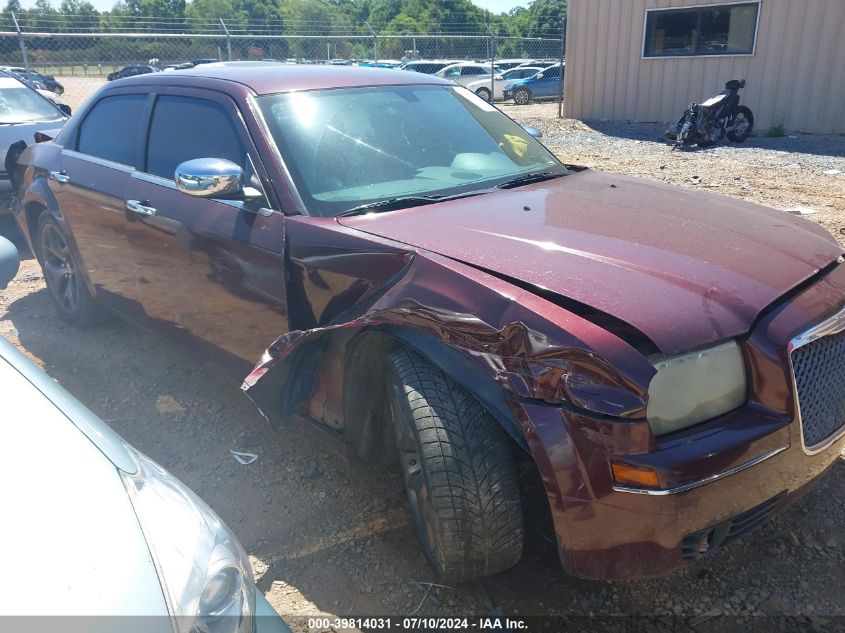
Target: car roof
[[269, 78], [470, 63]]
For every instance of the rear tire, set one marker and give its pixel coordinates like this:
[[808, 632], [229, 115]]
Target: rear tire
[[522, 96], [484, 93], [62, 275], [742, 112], [458, 471]]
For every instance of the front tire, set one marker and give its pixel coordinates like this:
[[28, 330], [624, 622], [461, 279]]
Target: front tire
[[458, 471], [522, 96], [484, 93], [62, 274], [745, 121]]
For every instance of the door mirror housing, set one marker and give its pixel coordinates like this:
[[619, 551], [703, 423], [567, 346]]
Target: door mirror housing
[[540, 76], [212, 178], [533, 131], [66, 109], [9, 262]]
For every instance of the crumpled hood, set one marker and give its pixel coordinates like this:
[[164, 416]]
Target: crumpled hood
[[686, 268]]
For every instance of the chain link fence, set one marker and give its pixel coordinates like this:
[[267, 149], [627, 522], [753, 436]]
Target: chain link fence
[[81, 57]]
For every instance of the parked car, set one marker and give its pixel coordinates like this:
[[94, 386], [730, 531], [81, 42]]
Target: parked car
[[507, 64], [543, 85], [130, 71], [35, 84], [501, 82], [434, 288], [23, 112], [428, 67], [466, 72], [47, 82], [120, 535]]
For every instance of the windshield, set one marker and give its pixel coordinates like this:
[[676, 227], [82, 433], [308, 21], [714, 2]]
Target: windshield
[[19, 104], [352, 146]]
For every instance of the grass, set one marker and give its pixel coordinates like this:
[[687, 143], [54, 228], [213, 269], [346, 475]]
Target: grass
[[777, 130], [77, 70]]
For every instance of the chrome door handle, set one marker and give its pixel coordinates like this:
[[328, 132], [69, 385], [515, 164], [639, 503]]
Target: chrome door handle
[[60, 176], [138, 207]]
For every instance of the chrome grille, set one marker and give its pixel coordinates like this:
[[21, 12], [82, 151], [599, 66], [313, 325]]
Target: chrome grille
[[819, 368]]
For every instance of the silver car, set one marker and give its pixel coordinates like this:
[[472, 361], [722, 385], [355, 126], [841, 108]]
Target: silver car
[[93, 527], [23, 112]]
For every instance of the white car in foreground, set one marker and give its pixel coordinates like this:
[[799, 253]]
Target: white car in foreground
[[95, 528]]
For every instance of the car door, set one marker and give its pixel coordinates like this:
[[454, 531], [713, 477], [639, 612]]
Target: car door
[[91, 184], [209, 271], [549, 85], [470, 74]]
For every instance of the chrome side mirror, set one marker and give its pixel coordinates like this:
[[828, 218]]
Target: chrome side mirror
[[533, 131], [209, 178], [9, 261]]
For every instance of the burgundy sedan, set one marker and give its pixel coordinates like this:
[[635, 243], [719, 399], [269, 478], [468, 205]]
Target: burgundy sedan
[[425, 284]]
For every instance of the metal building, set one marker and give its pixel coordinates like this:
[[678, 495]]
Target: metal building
[[645, 60]]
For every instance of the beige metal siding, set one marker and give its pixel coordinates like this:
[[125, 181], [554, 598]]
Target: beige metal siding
[[795, 76]]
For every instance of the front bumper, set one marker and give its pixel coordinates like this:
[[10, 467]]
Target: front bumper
[[718, 480]]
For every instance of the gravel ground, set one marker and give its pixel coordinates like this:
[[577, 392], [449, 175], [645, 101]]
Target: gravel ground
[[329, 538], [795, 171]]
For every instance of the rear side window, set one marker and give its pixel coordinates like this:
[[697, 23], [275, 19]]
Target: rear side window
[[473, 70], [184, 128], [110, 130]]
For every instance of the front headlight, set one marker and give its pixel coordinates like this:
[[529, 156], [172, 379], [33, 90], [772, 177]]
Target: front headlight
[[205, 573], [690, 388]]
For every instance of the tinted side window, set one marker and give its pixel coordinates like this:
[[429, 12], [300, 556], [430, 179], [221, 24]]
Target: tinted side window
[[110, 130], [184, 128], [551, 73], [472, 70]]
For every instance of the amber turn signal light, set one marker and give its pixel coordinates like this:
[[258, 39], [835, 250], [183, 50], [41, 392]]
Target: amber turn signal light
[[636, 476]]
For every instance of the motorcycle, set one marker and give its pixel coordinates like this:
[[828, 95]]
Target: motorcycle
[[705, 124]]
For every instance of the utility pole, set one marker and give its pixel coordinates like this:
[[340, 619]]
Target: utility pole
[[562, 61], [228, 38], [492, 44], [21, 42], [375, 42]]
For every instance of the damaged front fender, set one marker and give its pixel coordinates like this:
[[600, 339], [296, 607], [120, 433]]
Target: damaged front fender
[[528, 347]]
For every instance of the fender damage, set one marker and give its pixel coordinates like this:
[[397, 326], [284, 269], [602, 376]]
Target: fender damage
[[503, 343]]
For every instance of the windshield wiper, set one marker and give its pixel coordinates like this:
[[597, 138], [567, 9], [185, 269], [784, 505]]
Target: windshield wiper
[[527, 179], [404, 202]]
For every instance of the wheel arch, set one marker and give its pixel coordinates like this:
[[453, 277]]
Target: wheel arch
[[39, 199], [363, 386]]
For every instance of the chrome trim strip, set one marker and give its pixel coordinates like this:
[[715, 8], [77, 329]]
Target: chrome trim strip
[[701, 482], [834, 324]]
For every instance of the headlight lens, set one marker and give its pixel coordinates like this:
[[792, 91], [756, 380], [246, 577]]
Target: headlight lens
[[690, 388], [205, 573]]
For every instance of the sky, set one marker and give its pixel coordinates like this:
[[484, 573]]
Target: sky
[[496, 6], [499, 6]]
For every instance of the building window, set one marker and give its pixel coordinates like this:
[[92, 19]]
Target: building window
[[726, 29]]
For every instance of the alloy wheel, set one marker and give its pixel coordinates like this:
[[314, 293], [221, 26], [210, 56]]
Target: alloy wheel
[[59, 271], [415, 484]]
